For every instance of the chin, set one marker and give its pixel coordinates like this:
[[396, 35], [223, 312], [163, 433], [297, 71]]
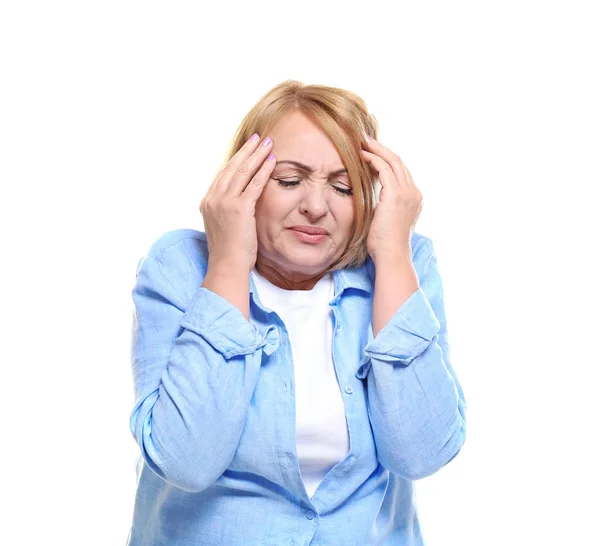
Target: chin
[[308, 262]]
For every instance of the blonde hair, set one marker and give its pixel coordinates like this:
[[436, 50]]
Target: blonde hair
[[344, 118]]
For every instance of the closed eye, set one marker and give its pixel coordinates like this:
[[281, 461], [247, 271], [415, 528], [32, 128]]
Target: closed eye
[[343, 191], [287, 183], [292, 183]]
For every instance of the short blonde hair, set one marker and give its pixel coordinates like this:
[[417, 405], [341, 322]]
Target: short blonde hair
[[344, 118]]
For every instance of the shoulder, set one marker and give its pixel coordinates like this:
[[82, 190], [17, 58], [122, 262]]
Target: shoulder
[[419, 242], [422, 250], [177, 243], [182, 257]]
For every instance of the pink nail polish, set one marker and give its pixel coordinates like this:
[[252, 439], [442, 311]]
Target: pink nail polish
[[271, 156], [267, 141], [253, 137]]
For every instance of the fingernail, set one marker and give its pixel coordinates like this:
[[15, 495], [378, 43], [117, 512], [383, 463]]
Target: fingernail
[[271, 156], [267, 141], [253, 137]]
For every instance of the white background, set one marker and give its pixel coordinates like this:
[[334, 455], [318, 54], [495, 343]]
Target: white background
[[113, 119]]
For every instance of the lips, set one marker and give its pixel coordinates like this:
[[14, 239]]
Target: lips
[[309, 234], [310, 230]]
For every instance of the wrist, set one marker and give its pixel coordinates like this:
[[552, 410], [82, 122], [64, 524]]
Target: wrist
[[399, 258], [227, 268], [230, 284]]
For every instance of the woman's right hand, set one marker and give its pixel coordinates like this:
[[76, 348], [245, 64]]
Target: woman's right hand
[[228, 208]]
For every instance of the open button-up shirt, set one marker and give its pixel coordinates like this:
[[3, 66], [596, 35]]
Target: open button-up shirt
[[214, 412]]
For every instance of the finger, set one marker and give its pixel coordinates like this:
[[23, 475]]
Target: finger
[[220, 182], [250, 167], [210, 191], [256, 186], [409, 176], [390, 157], [215, 182], [239, 172], [387, 177]]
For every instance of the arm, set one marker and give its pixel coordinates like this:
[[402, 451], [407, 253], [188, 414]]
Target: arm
[[195, 366], [416, 404], [395, 282], [230, 285]]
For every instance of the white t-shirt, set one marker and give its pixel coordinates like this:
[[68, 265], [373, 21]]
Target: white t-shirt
[[321, 431]]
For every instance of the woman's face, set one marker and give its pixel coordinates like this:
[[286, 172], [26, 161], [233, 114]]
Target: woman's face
[[297, 198]]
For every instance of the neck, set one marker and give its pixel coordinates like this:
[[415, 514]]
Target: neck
[[286, 280]]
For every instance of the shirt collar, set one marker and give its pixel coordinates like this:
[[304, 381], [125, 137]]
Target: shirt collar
[[359, 278]]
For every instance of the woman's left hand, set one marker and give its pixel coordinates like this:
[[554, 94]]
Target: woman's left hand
[[400, 203]]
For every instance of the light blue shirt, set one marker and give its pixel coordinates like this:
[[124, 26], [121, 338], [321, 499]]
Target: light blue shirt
[[214, 412]]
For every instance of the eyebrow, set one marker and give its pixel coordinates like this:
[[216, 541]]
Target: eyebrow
[[308, 169]]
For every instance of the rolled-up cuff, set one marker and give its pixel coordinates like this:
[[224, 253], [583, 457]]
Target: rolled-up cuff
[[224, 326], [408, 333]]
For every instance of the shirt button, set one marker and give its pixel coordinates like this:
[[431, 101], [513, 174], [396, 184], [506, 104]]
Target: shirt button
[[309, 514], [349, 389]]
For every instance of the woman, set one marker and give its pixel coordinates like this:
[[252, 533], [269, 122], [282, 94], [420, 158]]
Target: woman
[[291, 364]]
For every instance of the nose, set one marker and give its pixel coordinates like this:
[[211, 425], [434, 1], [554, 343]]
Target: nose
[[313, 204]]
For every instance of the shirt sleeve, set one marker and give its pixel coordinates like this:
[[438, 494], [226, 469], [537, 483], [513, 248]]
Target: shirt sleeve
[[416, 403], [195, 366]]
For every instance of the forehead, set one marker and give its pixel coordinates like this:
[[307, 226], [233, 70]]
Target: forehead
[[297, 138]]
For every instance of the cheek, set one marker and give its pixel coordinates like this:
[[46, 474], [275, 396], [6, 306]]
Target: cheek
[[264, 206], [271, 211], [345, 217], [274, 205]]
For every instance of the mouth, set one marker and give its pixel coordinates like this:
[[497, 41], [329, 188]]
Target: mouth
[[310, 230], [309, 234]]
